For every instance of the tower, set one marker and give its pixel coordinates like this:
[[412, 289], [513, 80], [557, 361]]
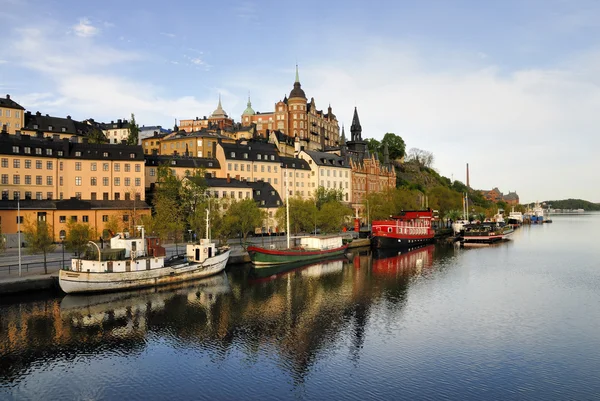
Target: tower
[[355, 128]]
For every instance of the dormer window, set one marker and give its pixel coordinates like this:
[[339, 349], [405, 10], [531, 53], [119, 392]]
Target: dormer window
[[245, 155], [232, 154], [132, 155], [63, 129], [27, 150], [262, 202], [173, 162], [258, 192], [258, 156], [48, 152], [273, 193], [35, 126], [210, 164], [77, 154], [38, 151], [49, 128], [293, 165], [272, 157]]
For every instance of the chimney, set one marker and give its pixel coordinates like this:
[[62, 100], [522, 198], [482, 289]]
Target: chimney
[[228, 178], [7, 96], [468, 186], [4, 128], [68, 117], [237, 177], [37, 113]]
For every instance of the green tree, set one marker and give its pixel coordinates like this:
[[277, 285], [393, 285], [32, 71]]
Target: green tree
[[396, 146], [333, 216], [375, 146], [379, 206], [112, 226], [78, 235], [303, 215], [38, 236], [134, 131], [323, 195], [95, 135], [444, 199], [244, 216]]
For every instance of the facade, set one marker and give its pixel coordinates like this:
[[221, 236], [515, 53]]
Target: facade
[[217, 120], [57, 213], [180, 166], [12, 115], [297, 117], [116, 131], [151, 131], [298, 177], [48, 169], [494, 195], [369, 175], [330, 171], [197, 144]]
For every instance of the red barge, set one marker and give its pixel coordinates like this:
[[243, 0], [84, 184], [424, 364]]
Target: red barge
[[408, 229]]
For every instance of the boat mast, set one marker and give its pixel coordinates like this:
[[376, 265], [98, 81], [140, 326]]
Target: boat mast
[[207, 213], [287, 207]]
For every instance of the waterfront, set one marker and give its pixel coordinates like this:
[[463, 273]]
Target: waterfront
[[517, 320]]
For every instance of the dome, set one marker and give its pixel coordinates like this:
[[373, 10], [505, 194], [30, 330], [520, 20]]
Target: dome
[[297, 91], [219, 112], [249, 110]]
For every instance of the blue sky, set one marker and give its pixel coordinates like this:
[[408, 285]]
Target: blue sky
[[511, 87]]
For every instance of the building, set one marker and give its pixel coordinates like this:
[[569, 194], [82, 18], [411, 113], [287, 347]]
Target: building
[[151, 144], [151, 131], [115, 131], [201, 143], [58, 213], [12, 115], [39, 125], [369, 175], [298, 177], [180, 166], [219, 119], [295, 116], [48, 169], [328, 170], [494, 195]]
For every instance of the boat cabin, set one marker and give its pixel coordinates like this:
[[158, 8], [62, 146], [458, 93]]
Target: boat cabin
[[200, 252], [321, 243], [409, 222]]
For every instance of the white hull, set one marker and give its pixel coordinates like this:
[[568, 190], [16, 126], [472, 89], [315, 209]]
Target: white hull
[[81, 282]]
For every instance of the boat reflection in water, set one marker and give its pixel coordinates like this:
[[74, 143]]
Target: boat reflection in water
[[306, 269], [411, 260], [86, 310]]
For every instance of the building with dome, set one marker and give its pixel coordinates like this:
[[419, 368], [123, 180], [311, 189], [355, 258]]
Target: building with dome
[[296, 116], [219, 119]]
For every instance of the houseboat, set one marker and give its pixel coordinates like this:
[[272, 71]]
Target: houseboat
[[408, 229], [310, 248], [136, 262], [486, 233]]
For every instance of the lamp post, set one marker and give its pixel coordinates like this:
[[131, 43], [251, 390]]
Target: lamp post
[[62, 239], [190, 236]]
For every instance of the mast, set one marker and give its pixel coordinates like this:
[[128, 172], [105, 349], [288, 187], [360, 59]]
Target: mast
[[19, 229], [207, 214], [287, 207]]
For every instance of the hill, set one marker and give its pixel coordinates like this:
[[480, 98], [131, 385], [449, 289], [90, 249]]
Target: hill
[[573, 204]]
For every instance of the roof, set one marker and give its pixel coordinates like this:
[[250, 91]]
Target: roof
[[262, 191], [182, 161], [294, 162], [196, 134], [251, 150], [8, 103], [297, 91], [327, 159], [58, 125], [73, 204]]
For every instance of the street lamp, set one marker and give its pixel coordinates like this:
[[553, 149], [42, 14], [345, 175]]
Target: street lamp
[[62, 239], [190, 236]]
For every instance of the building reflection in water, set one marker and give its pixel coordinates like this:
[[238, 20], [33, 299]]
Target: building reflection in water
[[297, 314]]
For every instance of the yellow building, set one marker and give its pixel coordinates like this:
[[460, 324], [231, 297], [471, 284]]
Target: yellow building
[[297, 117], [12, 115], [217, 120], [180, 166], [39, 125], [196, 144]]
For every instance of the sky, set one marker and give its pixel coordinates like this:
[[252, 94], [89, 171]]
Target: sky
[[510, 87]]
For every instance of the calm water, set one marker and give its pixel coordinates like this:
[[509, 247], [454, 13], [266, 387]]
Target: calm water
[[516, 321]]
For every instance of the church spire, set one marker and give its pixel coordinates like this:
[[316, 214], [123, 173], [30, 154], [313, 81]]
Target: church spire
[[343, 137], [297, 76], [355, 128]]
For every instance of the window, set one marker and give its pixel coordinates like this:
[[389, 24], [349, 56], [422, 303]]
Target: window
[[105, 154], [15, 149], [60, 166], [104, 218], [127, 196], [78, 181], [272, 157], [16, 179], [138, 182], [27, 150], [59, 153], [5, 179], [232, 154], [93, 166], [152, 172], [245, 155], [125, 217], [49, 195], [104, 167], [4, 194], [117, 167], [127, 181], [255, 168], [5, 162], [132, 155], [74, 219], [117, 195], [16, 163], [16, 195], [60, 180], [48, 152], [38, 195], [77, 154], [38, 164], [138, 168], [77, 166], [117, 181], [92, 195], [127, 167], [93, 181], [49, 165], [85, 219], [62, 219], [49, 180], [27, 180], [105, 196], [229, 166]]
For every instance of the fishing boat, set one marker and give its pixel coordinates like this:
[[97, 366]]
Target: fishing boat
[[408, 229], [310, 248], [136, 262], [486, 233]]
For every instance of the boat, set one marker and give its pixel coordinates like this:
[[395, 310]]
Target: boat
[[408, 229], [459, 225], [310, 248], [137, 262], [515, 219], [537, 214], [270, 272], [486, 233]]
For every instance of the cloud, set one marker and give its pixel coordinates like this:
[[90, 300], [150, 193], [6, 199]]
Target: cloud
[[246, 10], [85, 29], [168, 35], [197, 62], [3, 61]]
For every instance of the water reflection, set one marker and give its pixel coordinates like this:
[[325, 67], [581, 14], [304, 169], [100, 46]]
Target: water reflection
[[294, 314]]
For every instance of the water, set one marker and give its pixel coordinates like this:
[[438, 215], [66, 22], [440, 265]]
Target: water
[[515, 321]]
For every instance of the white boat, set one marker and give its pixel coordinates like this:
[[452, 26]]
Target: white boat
[[139, 262], [515, 218], [459, 225]]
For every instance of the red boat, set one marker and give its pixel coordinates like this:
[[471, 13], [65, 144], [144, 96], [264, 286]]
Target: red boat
[[408, 229]]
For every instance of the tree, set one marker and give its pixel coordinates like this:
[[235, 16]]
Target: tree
[[303, 215], [134, 131], [78, 235], [323, 195], [95, 135], [38, 236], [244, 216], [169, 223], [379, 206], [423, 158], [375, 146], [444, 199], [396, 146], [113, 225], [333, 216]]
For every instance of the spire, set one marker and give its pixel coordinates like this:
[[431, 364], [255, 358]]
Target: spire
[[343, 138], [297, 91], [355, 128], [386, 154], [297, 76], [219, 112], [249, 110], [219, 106]]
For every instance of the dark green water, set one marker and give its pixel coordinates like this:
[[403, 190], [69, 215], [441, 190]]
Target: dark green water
[[516, 321]]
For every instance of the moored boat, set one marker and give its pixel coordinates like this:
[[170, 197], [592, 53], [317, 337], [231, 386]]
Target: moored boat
[[486, 233], [136, 262], [310, 248], [409, 228]]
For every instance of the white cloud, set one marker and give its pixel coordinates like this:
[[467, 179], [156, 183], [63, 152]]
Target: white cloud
[[85, 29], [168, 35]]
